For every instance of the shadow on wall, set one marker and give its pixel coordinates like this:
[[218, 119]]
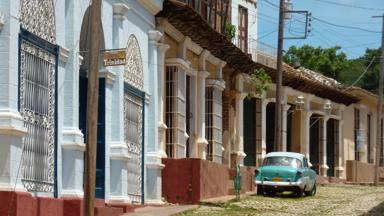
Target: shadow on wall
[[376, 211]]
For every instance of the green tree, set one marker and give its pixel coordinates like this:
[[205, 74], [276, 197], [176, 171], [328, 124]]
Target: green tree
[[328, 61]]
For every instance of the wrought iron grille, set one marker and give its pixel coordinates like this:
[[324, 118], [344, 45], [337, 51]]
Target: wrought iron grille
[[37, 107], [133, 126]]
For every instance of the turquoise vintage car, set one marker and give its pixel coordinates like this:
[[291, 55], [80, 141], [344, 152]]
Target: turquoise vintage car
[[285, 171]]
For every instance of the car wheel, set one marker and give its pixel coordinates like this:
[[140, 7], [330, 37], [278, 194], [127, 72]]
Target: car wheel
[[260, 190], [312, 192], [299, 192]]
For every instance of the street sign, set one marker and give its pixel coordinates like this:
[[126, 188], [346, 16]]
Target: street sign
[[114, 57]]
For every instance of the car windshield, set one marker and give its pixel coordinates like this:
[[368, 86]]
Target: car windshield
[[282, 161]]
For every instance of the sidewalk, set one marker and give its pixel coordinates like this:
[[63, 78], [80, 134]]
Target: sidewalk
[[161, 211], [224, 199]]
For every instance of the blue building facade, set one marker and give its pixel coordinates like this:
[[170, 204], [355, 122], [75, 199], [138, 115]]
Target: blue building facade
[[43, 70]]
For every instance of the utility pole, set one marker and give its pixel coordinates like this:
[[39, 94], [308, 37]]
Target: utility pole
[[379, 107], [92, 109], [279, 78]]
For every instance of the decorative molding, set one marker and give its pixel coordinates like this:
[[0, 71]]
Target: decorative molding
[[202, 60], [64, 54], [119, 151], [152, 6], [202, 141], [147, 98], [108, 75], [119, 11], [38, 17], [170, 29], [113, 199], [154, 35], [204, 74], [194, 47], [184, 65], [72, 193], [154, 202], [73, 139], [218, 84], [161, 125], [133, 70], [11, 123]]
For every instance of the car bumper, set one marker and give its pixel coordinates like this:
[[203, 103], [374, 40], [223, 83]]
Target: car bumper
[[299, 183]]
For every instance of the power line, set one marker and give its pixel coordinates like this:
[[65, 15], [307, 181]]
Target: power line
[[344, 26], [350, 6], [361, 75]]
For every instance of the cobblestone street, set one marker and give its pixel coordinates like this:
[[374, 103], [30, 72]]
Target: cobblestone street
[[329, 200]]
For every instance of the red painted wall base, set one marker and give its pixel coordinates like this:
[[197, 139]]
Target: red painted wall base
[[24, 204]]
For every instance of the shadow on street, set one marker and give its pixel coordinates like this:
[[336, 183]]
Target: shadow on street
[[376, 211]]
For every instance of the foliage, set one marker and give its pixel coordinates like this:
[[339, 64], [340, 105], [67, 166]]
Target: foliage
[[329, 61], [260, 80], [230, 31], [333, 63]]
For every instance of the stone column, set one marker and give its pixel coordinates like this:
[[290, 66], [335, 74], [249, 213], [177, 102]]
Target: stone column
[[306, 123], [239, 138], [200, 129], [118, 151], [264, 104], [284, 134], [323, 158], [161, 50], [72, 145], [154, 148]]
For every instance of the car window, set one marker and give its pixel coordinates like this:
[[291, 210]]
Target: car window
[[305, 162], [282, 161]]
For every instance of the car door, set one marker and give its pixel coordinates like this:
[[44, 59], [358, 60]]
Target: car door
[[309, 173]]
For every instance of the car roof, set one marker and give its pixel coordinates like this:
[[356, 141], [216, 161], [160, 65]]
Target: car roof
[[287, 154]]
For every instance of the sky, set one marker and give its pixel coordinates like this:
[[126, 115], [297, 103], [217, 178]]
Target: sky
[[361, 31]]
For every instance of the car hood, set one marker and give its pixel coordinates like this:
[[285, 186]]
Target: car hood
[[278, 171]]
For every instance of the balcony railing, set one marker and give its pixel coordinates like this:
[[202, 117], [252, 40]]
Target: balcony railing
[[215, 12], [261, 52]]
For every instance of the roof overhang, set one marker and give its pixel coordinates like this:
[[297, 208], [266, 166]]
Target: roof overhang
[[190, 23]]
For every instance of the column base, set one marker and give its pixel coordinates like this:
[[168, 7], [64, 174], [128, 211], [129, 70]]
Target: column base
[[339, 171], [202, 145], [237, 158], [72, 194], [323, 170]]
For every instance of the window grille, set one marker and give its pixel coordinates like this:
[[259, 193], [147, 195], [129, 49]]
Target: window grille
[[170, 109], [133, 137], [37, 107], [209, 121], [357, 134], [369, 144], [243, 29], [381, 161], [258, 132]]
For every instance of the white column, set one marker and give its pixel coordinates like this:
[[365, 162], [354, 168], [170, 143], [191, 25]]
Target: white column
[[284, 134], [118, 150], [200, 126], [239, 144], [306, 123], [72, 145], [340, 168], [154, 150], [264, 103], [161, 50], [323, 166]]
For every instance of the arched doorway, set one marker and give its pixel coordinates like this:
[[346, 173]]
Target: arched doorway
[[134, 119], [83, 87], [38, 57]]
